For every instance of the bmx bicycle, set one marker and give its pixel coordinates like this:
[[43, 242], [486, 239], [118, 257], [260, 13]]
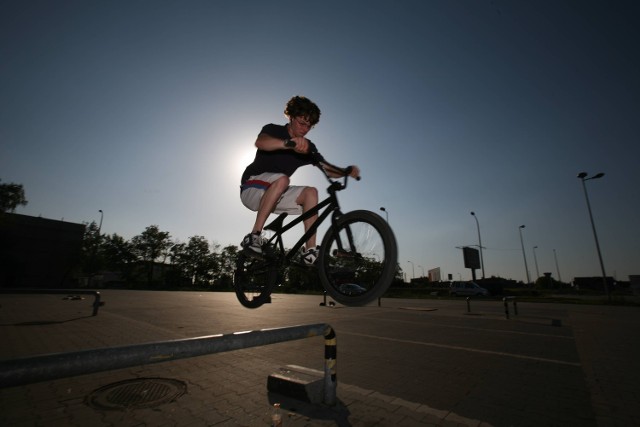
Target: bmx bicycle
[[356, 263]]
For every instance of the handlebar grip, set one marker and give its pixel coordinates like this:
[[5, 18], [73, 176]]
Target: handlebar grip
[[348, 170]]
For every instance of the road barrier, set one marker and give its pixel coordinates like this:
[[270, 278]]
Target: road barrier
[[96, 301], [506, 300], [61, 365]]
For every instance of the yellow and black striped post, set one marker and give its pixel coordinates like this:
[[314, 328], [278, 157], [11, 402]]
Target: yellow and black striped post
[[330, 366]]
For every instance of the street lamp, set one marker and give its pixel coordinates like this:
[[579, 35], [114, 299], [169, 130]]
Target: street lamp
[[386, 212], [479, 243], [555, 256], [524, 255], [413, 269], [101, 216], [535, 259], [422, 270], [583, 178]]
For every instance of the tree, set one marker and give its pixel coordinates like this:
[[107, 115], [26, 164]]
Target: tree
[[151, 245], [194, 260], [11, 196], [119, 256], [226, 263], [91, 260]]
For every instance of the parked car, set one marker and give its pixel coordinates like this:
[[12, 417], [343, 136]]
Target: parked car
[[467, 289], [352, 289]]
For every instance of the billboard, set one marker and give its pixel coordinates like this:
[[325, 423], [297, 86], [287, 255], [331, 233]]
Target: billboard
[[434, 274], [471, 258]]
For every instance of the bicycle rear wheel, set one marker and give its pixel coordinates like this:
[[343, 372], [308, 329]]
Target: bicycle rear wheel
[[358, 258], [254, 280]]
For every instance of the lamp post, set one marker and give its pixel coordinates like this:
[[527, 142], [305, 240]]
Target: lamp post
[[524, 255], [413, 269], [422, 270], [94, 267], [479, 242], [555, 256], [535, 259], [383, 209], [583, 178], [101, 216]]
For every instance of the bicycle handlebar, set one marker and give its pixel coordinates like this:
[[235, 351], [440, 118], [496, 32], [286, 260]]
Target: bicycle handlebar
[[318, 159]]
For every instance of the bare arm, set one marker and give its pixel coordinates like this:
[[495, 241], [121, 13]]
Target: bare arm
[[267, 142]]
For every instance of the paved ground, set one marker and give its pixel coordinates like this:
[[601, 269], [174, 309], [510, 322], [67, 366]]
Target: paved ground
[[406, 363]]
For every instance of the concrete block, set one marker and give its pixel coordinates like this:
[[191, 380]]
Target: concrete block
[[299, 383]]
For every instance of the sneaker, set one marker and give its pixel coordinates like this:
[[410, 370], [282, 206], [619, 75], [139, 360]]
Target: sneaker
[[253, 242], [310, 256]]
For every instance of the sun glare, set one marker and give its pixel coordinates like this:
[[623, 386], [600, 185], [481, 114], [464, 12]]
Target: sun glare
[[242, 157]]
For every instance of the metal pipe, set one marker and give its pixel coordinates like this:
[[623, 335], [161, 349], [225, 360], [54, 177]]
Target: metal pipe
[[60, 365]]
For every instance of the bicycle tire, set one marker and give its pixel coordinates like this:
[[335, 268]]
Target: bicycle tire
[[358, 258], [254, 280]]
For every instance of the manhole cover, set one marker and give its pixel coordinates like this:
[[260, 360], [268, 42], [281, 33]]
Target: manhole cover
[[136, 393]]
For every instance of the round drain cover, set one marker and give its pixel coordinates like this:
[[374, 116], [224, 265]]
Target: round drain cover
[[136, 393]]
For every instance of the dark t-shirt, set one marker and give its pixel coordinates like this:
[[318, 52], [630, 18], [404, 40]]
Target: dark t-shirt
[[278, 161]]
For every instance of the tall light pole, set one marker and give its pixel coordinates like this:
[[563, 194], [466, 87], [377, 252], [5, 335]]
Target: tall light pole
[[101, 216], [524, 255], [535, 259], [479, 242], [383, 209], [555, 256], [422, 270], [413, 269], [583, 178]]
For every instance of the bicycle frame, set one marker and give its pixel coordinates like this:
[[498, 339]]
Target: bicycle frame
[[332, 207], [331, 203]]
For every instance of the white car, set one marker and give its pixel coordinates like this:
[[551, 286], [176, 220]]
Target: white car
[[467, 289]]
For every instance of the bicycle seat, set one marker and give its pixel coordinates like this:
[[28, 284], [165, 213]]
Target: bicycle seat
[[277, 223]]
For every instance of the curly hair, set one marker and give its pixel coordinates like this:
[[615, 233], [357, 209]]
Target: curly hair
[[300, 106]]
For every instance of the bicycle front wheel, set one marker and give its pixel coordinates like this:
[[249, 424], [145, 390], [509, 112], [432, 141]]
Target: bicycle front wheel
[[358, 258], [254, 280]]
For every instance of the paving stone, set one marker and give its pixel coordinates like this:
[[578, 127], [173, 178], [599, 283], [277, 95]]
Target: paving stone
[[395, 366]]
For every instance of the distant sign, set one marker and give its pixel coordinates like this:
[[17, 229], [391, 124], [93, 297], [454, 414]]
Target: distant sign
[[434, 274], [471, 257]]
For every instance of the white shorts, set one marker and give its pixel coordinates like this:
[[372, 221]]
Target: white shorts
[[258, 184]]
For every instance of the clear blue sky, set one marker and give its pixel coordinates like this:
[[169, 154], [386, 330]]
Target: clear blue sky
[[149, 110]]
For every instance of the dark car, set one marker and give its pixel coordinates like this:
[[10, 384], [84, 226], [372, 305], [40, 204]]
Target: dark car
[[352, 289]]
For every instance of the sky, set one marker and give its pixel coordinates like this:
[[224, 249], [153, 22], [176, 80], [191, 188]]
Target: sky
[[148, 111]]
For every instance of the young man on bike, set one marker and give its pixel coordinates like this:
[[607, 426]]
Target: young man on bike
[[265, 188]]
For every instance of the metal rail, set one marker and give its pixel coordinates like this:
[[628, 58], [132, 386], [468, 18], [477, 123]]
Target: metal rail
[[60, 365], [96, 302]]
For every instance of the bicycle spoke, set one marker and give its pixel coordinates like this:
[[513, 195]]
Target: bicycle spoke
[[359, 258]]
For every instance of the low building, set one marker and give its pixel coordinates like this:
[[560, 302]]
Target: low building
[[37, 252]]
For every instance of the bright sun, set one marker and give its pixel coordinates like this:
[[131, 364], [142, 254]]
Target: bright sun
[[242, 157]]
